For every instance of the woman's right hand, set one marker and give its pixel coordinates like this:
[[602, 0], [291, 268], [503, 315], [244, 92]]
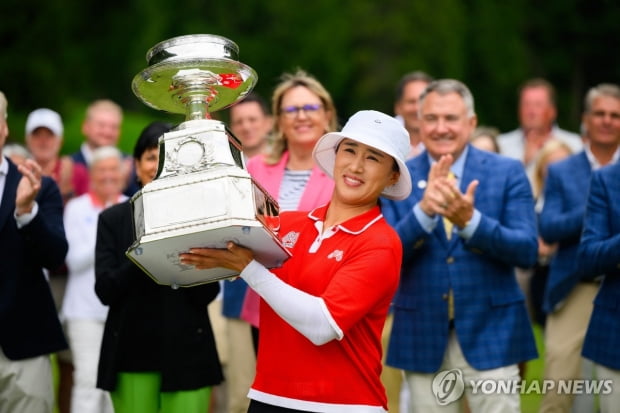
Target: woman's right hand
[[234, 257]]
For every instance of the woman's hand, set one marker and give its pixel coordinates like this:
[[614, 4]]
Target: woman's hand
[[234, 257]]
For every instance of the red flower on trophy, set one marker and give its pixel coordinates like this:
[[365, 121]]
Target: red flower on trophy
[[230, 80]]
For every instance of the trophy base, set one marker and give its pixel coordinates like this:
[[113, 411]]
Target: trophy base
[[204, 209], [160, 258]]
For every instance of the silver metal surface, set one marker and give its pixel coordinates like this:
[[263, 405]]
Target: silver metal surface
[[207, 209], [199, 46], [202, 195], [194, 75]]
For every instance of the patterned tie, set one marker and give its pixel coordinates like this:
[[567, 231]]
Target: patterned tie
[[447, 224], [451, 305]]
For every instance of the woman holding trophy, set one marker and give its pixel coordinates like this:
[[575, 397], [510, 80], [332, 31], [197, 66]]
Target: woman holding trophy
[[323, 310]]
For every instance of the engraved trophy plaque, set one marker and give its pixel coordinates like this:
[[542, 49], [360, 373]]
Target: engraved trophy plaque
[[202, 195]]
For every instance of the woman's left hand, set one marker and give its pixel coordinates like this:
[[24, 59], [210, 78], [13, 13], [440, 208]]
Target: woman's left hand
[[234, 257]]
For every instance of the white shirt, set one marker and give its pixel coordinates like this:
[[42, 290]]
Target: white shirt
[[4, 170], [512, 144], [594, 163], [87, 152], [23, 219], [80, 301]]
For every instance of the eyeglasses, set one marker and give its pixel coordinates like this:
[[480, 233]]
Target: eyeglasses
[[292, 111]]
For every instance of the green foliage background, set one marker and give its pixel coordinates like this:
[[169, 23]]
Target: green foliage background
[[63, 54]]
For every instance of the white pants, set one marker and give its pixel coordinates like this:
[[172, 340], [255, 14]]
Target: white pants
[[85, 342], [423, 399], [26, 385], [565, 330], [609, 403]]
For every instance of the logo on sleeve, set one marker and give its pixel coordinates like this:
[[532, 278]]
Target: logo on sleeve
[[336, 254], [290, 239]]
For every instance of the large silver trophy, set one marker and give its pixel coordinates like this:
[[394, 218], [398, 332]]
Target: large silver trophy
[[202, 195]]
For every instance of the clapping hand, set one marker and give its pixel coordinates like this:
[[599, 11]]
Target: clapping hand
[[28, 186], [443, 197]]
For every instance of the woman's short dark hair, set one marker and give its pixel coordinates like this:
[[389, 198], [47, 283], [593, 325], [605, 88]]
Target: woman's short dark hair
[[149, 138]]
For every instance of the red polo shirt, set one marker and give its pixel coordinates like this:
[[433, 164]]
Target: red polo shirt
[[355, 269]]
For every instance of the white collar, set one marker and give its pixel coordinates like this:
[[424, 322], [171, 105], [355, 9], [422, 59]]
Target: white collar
[[594, 163], [4, 166]]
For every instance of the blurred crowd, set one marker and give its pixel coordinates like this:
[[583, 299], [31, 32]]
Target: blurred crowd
[[496, 241]]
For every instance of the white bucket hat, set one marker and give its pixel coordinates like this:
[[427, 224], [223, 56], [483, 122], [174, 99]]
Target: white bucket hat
[[374, 129], [44, 118]]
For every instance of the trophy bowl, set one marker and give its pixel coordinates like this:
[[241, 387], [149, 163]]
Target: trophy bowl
[[198, 71], [202, 195]]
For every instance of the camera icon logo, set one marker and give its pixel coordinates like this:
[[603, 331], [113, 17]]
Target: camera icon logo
[[448, 386]]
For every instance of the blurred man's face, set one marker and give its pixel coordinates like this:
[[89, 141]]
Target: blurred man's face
[[4, 132], [602, 122], [43, 145], [102, 128], [536, 110], [407, 106], [445, 127], [250, 125]]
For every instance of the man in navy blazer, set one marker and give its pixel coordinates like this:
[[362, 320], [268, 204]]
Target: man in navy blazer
[[599, 254], [459, 314], [569, 294], [32, 238]]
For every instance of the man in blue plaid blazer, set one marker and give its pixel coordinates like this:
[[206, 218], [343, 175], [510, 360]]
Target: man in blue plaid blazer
[[569, 294], [459, 305], [599, 254]]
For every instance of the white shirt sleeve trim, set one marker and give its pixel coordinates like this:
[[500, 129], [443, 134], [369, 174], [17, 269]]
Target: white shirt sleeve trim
[[306, 313], [26, 218]]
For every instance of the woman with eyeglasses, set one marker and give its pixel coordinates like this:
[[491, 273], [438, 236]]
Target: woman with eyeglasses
[[323, 310], [303, 111]]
